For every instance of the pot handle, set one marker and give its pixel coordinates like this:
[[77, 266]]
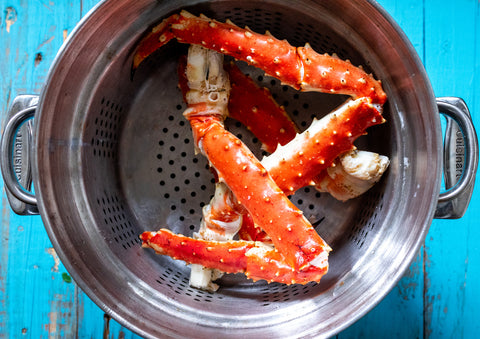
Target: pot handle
[[15, 155], [460, 159]]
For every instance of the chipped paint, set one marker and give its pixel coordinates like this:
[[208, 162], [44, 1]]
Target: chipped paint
[[51, 327], [410, 284], [106, 326], [60, 315], [10, 17], [38, 59], [427, 303], [56, 260]]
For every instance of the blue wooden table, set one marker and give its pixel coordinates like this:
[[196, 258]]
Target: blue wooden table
[[438, 296]]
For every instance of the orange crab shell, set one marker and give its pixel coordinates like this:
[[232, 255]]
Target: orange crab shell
[[231, 257], [252, 106], [302, 67], [267, 204], [299, 167], [299, 250]]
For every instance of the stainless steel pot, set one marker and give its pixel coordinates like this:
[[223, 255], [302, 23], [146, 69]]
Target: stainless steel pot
[[112, 157]]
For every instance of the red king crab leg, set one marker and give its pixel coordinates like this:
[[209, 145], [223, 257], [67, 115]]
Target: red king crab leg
[[296, 164], [298, 248], [299, 67], [257, 261], [223, 217], [353, 174], [255, 108]]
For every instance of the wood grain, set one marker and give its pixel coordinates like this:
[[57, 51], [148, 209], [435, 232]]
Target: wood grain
[[438, 295]]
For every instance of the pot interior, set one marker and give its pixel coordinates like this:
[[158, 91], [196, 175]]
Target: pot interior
[[133, 168]]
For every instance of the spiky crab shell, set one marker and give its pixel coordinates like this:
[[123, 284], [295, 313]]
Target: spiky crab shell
[[257, 261], [252, 106], [296, 164], [302, 67], [298, 248], [257, 191]]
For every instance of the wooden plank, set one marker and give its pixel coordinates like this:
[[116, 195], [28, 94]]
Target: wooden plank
[[452, 259], [37, 298], [447, 40], [36, 301]]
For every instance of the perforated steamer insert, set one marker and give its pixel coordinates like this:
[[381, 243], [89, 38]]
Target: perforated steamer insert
[[153, 179], [125, 157]]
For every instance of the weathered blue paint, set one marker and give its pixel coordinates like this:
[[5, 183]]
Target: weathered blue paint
[[30, 37], [452, 61], [35, 299], [437, 297]]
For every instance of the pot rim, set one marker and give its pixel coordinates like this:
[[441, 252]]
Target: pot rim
[[51, 213]]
